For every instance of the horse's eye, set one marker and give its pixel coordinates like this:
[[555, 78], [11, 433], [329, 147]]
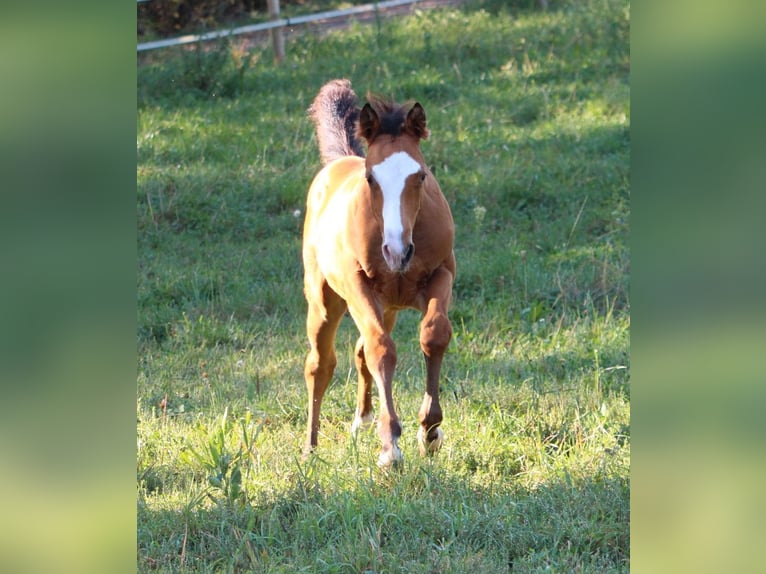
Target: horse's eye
[[422, 176], [370, 179]]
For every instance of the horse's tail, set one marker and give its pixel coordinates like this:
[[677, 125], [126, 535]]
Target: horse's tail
[[335, 114]]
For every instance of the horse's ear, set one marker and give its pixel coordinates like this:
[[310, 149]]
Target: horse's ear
[[369, 123], [416, 122]]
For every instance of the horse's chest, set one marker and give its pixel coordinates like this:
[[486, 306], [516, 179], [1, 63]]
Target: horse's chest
[[399, 291]]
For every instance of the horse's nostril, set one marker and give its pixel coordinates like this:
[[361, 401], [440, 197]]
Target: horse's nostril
[[408, 254]]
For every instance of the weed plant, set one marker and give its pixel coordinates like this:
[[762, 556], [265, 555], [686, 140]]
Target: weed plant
[[530, 120]]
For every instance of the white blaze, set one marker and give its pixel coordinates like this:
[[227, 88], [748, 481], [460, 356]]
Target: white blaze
[[391, 175]]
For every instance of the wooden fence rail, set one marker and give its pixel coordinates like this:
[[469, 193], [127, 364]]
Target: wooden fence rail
[[276, 25]]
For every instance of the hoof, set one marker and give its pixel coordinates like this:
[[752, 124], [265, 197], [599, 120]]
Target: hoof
[[431, 447], [307, 452], [363, 423], [391, 458]]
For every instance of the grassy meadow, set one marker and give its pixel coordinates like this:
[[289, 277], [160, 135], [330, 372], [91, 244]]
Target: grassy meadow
[[530, 122]]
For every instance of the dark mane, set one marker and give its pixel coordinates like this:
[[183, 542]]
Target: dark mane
[[391, 114]]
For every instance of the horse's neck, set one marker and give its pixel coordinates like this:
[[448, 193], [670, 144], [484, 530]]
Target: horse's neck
[[364, 233]]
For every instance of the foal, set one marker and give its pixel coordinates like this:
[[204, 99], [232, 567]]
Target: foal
[[378, 237]]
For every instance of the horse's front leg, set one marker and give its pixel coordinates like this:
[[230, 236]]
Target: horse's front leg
[[379, 360], [363, 415], [435, 335]]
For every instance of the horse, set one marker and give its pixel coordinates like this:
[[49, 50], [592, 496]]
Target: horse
[[378, 237]]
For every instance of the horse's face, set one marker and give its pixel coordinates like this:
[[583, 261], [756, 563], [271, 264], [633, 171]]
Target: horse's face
[[396, 175], [396, 185]]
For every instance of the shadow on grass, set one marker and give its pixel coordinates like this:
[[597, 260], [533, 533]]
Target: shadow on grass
[[422, 520]]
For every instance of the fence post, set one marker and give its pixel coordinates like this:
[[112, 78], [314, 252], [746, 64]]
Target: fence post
[[277, 38]]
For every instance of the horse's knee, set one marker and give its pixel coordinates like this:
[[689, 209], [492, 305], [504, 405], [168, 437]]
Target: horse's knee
[[380, 352], [435, 335]]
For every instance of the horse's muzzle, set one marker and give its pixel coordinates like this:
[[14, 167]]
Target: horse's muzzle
[[398, 261]]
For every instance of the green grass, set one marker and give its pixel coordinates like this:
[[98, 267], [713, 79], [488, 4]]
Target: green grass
[[530, 120]]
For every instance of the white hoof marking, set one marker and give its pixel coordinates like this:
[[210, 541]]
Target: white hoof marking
[[434, 445], [362, 423], [389, 458]]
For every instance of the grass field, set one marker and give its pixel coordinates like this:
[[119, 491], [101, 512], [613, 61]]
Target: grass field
[[530, 121]]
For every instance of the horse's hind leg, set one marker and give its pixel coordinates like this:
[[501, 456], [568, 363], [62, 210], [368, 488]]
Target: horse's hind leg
[[435, 335], [324, 314], [363, 415]]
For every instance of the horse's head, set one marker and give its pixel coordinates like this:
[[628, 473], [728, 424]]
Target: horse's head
[[396, 174]]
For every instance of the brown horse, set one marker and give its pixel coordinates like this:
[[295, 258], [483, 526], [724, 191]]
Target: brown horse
[[378, 238]]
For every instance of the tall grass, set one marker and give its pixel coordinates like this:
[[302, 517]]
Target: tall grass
[[530, 118]]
